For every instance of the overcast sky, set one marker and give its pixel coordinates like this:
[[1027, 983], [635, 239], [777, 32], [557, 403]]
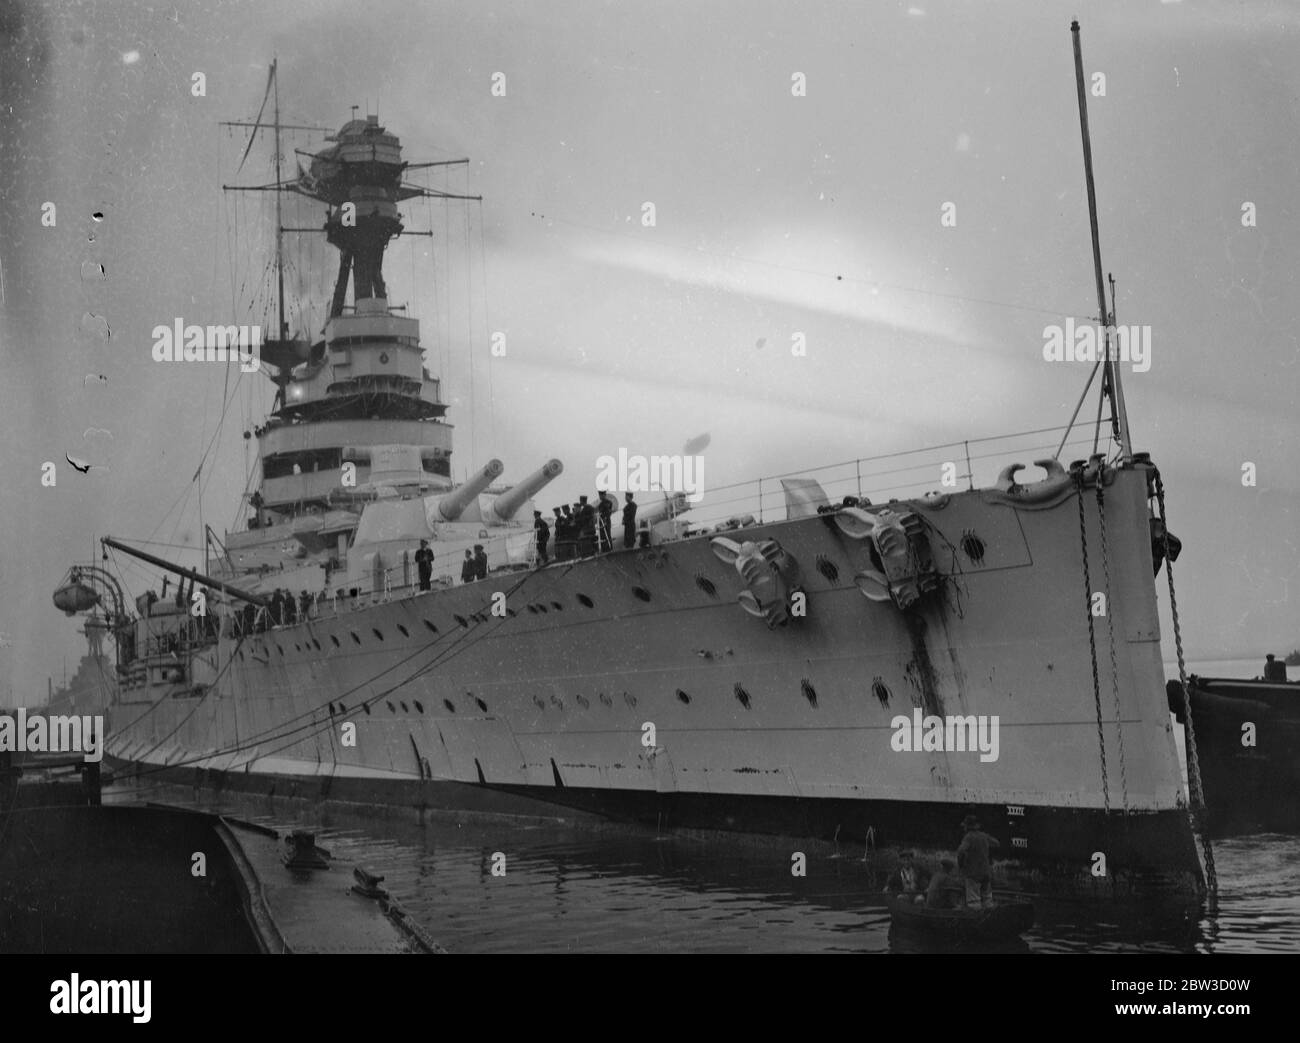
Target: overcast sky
[[775, 215]]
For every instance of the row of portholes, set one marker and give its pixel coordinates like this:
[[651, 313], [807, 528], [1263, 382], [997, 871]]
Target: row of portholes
[[879, 689], [741, 693], [314, 643], [479, 617], [341, 709]]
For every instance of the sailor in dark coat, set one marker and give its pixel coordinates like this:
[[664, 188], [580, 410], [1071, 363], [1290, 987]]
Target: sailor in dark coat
[[543, 537], [424, 563], [586, 515], [467, 567], [629, 521], [605, 510], [480, 562], [561, 525]]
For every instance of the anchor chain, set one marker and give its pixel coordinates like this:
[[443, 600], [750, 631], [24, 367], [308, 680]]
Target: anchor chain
[[1196, 805], [1092, 639], [1110, 629]]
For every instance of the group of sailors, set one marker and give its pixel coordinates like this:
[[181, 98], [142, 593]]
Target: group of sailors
[[965, 882], [584, 529], [281, 610]]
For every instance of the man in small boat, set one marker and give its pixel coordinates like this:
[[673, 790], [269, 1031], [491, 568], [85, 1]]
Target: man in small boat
[[1274, 669], [946, 890], [908, 878], [973, 860]]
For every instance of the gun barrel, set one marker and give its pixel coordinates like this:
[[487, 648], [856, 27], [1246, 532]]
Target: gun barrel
[[451, 505], [505, 505]]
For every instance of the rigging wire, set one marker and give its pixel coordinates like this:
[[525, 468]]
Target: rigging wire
[[487, 319], [470, 347]]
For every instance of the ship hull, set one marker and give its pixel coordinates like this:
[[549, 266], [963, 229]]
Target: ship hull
[[1155, 848], [633, 685], [1248, 750]]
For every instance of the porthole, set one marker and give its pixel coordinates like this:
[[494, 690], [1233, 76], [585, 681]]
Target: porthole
[[706, 585], [461, 620], [419, 705], [354, 636], [641, 593], [809, 692], [335, 639], [391, 707], [973, 547], [583, 599], [403, 631], [451, 708], [429, 626], [375, 631], [881, 691], [827, 568], [557, 606], [481, 704], [683, 697], [742, 696], [405, 708]]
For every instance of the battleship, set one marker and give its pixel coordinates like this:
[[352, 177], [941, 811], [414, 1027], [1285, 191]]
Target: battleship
[[746, 676]]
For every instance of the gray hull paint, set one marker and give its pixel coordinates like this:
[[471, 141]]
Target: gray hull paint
[[748, 721]]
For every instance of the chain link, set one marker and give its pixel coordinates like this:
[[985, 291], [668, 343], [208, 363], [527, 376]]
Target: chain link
[[1092, 640], [1196, 804], [1110, 628]]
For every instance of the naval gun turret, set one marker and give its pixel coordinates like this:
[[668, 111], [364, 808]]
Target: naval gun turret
[[450, 506], [504, 507]]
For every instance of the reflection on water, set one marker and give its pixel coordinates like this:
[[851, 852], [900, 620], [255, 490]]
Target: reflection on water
[[626, 889]]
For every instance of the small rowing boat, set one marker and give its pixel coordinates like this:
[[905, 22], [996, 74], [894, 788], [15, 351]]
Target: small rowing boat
[[1004, 920]]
